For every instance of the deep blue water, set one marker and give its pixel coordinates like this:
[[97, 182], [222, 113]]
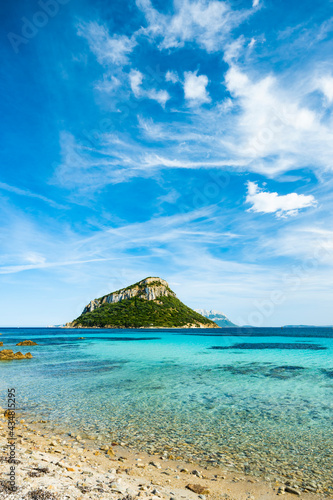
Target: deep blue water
[[240, 396]]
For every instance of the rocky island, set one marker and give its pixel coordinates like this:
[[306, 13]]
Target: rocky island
[[219, 318], [150, 303]]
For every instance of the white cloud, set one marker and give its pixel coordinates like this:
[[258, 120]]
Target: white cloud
[[107, 49], [161, 96], [109, 84], [273, 128], [34, 258], [272, 203], [152, 130], [325, 84], [205, 22], [172, 76], [136, 79], [255, 3], [195, 87], [252, 43]]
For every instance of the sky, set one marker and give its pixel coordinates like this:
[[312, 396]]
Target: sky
[[191, 140]]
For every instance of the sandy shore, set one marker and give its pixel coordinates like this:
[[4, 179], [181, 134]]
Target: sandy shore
[[63, 466]]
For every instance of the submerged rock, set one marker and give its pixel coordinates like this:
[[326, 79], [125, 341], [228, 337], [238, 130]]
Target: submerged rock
[[8, 354], [27, 342]]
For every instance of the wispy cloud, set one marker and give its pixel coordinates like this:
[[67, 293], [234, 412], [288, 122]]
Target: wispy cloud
[[171, 76], [136, 79], [206, 23], [29, 194], [108, 49], [325, 84]]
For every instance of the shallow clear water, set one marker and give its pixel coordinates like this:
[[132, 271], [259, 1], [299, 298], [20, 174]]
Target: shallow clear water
[[257, 400]]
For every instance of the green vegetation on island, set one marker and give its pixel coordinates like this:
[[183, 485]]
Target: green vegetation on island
[[147, 304]]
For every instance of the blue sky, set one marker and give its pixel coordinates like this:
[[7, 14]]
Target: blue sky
[[190, 140]]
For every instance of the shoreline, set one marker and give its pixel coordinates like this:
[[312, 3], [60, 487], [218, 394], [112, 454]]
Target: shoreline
[[65, 466], [110, 327]]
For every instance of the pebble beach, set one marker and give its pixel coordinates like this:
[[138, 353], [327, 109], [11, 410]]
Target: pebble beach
[[65, 466]]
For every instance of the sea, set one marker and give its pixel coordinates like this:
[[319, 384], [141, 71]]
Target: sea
[[256, 400]]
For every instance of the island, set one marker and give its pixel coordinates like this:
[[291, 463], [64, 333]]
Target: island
[[150, 303]]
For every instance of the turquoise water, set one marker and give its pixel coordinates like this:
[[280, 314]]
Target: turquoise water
[[256, 400]]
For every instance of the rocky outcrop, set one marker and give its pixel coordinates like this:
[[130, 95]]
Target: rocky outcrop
[[27, 342], [148, 289], [8, 355]]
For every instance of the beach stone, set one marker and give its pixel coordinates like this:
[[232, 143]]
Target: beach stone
[[27, 342], [197, 488], [196, 473], [289, 489], [1, 343], [155, 464]]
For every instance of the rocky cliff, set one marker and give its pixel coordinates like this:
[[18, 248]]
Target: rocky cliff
[[150, 303], [147, 289]]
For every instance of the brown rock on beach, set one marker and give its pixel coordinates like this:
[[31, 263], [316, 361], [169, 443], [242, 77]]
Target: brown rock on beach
[[197, 488]]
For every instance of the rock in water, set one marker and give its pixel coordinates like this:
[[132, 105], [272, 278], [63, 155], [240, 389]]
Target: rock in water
[[8, 355], [27, 342]]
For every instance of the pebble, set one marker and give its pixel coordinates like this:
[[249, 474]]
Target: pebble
[[197, 488], [155, 464], [289, 489]]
